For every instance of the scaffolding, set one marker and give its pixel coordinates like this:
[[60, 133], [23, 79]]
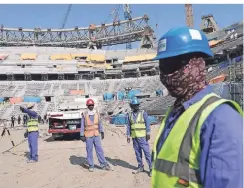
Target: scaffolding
[[235, 74], [236, 82]]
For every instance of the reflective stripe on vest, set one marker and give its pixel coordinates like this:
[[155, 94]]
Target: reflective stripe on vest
[[138, 127], [32, 124], [91, 129], [178, 158]]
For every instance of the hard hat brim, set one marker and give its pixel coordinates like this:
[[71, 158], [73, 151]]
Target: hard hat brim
[[164, 55]]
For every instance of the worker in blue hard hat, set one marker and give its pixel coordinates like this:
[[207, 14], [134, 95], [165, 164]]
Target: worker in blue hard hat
[[199, 143], [138, 127]]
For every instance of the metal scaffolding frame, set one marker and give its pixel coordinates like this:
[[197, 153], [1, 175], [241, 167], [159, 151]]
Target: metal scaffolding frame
[[119, 32], [209, 24], [235, 73]]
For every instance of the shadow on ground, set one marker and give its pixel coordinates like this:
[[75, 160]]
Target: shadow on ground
[[119, 162], [67, 137], [27, 154], [80, 161]]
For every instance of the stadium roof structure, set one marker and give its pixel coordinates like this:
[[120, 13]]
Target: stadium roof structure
[[94, 36]]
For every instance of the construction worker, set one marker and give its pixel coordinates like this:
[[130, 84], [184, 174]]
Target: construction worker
[[32, 132], [19, 119], [199, 143], [138, 127], [91, 128], [24, 119], [12, 120]]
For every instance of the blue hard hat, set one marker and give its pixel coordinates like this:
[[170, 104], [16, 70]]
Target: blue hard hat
[[182, 40], [134, 101]]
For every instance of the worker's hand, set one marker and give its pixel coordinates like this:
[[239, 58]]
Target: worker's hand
[[147, 137], [21, 108], [26, 134], [102, 135], [128, 140], [83, 138]]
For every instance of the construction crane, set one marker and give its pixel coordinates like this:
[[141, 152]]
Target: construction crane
[[115, 12], [66, 17], [189, 15], [127, 16]]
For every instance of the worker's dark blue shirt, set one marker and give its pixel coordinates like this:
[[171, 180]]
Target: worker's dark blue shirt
[[221, 140], [31, 113]]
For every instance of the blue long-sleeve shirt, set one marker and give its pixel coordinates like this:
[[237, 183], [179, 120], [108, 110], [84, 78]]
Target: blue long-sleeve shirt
[[31, 113], [221, 140], [145, 116], [82, 127]]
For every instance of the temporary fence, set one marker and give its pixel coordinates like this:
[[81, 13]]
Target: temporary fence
[[32, 99], [108, 96], [122, 119]]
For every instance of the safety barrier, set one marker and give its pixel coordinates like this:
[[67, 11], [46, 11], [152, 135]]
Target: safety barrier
[[32, 99], [132, 93], [122, 119], [16, 100], [121, 95], [77, 92], [108, 96]]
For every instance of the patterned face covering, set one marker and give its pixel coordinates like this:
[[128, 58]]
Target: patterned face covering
[[185, 82], [135, 108]]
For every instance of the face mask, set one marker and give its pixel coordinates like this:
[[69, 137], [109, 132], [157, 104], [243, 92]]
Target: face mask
[[187, 81], [135, 108], [90, 107]]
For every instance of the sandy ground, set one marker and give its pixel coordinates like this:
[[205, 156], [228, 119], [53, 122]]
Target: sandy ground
[[60, 163]]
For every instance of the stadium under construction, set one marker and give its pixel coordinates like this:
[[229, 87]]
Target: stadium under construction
[[55, 72], [39, 65]]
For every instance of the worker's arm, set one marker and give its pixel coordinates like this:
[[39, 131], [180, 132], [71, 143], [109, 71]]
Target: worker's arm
[[82, 126], [128, 126], [31, 113], [221, 161], [147, 123]]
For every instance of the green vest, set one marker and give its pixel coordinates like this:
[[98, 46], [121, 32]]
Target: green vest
[[138, 127], [177, 163], [32, 124]]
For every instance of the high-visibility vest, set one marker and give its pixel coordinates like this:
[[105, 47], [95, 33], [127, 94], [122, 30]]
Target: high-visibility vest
[[32, 124], [91, 129], [177, 162], [138, 127]]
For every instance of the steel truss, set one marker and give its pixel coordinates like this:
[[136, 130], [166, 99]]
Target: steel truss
[[235, 73], [119, 32]]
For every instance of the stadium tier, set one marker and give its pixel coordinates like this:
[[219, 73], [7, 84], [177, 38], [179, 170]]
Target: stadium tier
[[40, 74]]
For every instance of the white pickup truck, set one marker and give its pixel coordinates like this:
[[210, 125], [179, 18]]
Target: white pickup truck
[[66, 119]]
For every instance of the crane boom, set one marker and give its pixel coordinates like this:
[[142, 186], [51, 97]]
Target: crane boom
[[127, 16], [189, 15], [66, 16]]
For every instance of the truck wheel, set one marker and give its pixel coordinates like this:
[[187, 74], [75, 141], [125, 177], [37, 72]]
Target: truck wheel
[[54, 136]]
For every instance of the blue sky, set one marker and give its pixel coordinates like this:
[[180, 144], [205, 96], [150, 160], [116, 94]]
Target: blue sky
[[166, 16]]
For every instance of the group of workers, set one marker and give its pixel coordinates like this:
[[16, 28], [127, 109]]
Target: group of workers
[[200, 140], [13, 119]]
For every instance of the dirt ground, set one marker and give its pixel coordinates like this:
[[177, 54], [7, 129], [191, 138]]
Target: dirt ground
[[60, 162]]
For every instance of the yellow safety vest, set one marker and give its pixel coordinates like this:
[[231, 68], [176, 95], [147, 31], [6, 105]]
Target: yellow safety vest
[[138, 127], [177, 163], [32, 124]]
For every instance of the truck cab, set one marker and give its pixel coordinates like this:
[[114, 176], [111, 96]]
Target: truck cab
[[66, 119]]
